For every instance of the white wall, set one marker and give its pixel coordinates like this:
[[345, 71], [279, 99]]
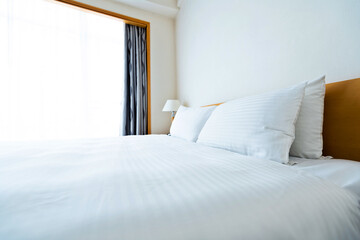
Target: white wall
[[162, 54], [227, 49]]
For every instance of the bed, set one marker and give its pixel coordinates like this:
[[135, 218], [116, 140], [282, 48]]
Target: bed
[[163, 187]]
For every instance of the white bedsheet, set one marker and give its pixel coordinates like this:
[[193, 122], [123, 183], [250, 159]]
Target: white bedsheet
[[344, 173], [160, 187]]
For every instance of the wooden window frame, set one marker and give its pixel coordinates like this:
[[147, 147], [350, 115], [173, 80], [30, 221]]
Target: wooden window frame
[[127, 20]]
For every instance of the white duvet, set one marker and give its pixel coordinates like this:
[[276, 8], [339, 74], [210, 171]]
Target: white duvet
[[160, 187]]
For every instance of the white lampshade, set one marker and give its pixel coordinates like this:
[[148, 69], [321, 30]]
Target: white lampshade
[[171, 105]]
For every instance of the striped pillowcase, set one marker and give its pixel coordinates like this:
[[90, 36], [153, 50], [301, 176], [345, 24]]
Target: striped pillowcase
[[261, 126], [308, 141]]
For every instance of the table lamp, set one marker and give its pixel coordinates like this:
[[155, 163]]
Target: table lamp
[[171, 105]]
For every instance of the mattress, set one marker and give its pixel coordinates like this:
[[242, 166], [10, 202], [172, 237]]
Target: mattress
[[160, 187]]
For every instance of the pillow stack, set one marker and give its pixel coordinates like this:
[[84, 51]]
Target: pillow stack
[[269, 126]]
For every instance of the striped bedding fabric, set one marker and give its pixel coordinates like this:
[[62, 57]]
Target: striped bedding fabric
[[159, 187]]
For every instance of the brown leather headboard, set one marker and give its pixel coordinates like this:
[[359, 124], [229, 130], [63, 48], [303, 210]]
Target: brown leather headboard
[[342, 120], [341, 131]]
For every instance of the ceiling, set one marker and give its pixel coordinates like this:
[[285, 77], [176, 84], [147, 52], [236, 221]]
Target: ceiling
[[167, 8]]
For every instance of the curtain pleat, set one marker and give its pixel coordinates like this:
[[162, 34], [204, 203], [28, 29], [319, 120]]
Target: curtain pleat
[[135, 103]]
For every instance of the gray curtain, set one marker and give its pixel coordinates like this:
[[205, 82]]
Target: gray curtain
[[135, 115]]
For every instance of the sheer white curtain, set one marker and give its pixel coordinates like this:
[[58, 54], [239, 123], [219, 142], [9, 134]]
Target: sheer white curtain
[[61, 72]]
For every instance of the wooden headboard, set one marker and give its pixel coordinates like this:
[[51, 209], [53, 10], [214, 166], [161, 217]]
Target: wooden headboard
[[341, 131], [342, 120]]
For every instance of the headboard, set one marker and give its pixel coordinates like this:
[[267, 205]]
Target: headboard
[[341, 132], [342, 120]]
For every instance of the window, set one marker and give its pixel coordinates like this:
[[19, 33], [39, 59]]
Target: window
[[61, 72]]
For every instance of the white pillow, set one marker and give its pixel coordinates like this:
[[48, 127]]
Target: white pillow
[[262, 126], [308, 141], [188, 122]]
